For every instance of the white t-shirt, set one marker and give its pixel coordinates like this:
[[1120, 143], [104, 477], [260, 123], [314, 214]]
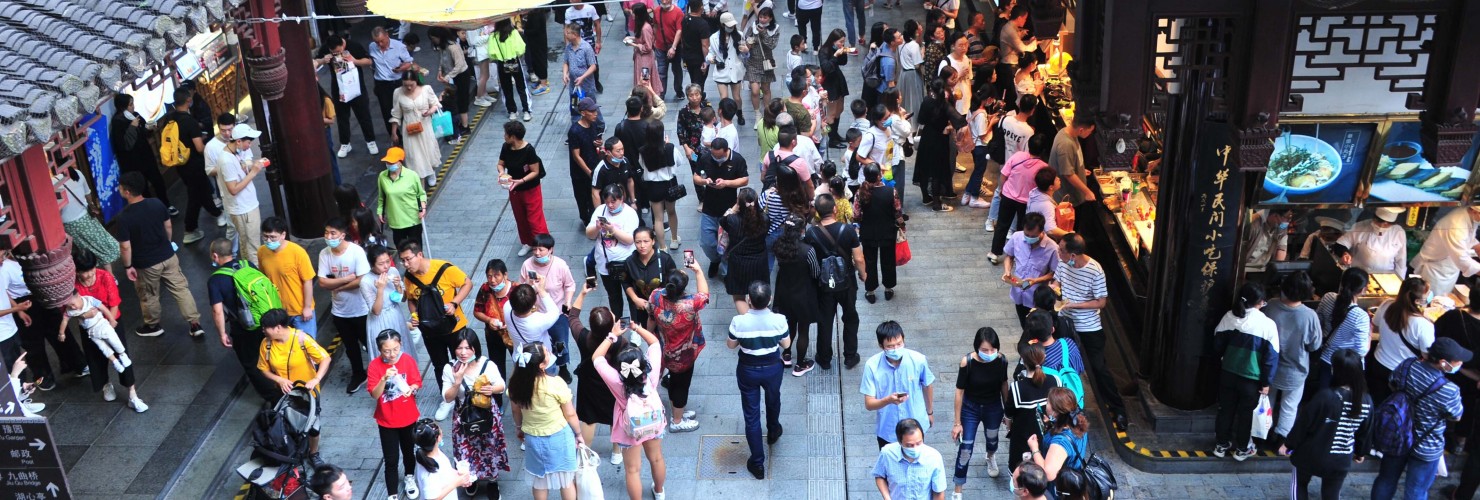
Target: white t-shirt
[[245, 201], [666, 173], [625, 221], [729, 133], [875, 144], [910, 55], [15, 279], [483, 367], [88, 303], [809, 4], [1419, 332], [1015, 135], [216, 154], [347, 303], [979, 128], [446, 472]]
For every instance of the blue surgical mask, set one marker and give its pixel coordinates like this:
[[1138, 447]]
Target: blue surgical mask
[[273, 245], [615, 211], [894, 354], [1453, 369], [987, 357], [1032, 240], [333, 242], [542, 260], [396, 297], [500, 287], [1284, 226], [910, 453], [1428, 297], [889, 122], [392, 168]]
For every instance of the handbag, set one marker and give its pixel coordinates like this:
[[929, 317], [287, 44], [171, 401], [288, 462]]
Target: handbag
[[588, 476], [901, 249], [677, 191], [442, 123], [413, 128], [473, 419]]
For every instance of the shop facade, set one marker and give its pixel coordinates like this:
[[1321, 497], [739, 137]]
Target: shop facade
[[1212, 112]]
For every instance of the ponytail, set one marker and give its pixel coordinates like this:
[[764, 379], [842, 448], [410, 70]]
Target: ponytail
[[425, 435], [1249, 297], [1353, 283], [1033, 356]]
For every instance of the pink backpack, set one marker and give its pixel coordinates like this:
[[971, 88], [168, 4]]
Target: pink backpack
[[645, 416]]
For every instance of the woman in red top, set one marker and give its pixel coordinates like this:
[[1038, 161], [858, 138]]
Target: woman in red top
[[393, 381], [100, 284], [489, 308], [676, 316]]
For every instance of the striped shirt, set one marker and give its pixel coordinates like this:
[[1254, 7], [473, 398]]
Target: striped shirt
[[1083, 284], [759, 333], [1345, 440], [1352, 333], [1432, 411]]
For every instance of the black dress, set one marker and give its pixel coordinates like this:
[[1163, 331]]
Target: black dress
[[933, 160], [833, 80], [876, 219], [594, 402], [796, 287], [745, 258]]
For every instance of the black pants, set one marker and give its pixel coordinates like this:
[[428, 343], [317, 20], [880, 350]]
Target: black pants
[[413, 233], [462, 93], [697, 74], [678, 388], [614, 294], [829, 303], [585, 206], [43, 330], [439, 349], [1237, 397], [100, 365], [197, 195], [879, 261], [498, 354], [247, 345], [156, 181], [1469, 478], [537, 43], [870, 98], [10, 350], [360, 107], [511, 79], [812, 17], [674, 66], [1330, 484], [801, 337], [1012, 210], [899, 183], [1022, 315], [1377, 379], [384, 93], [1108, 392], [352, 337], [397, 446]]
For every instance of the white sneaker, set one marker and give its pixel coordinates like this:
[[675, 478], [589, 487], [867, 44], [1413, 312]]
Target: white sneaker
[[955, 495], [689, 414], [138, 405], [608, 18], [410, 486], [524, 250], [34, 407], [513, 117], [482, 101], [444, 410], [344, 150], [686, 425], [109, 393], [521, 446], [979, 203], [965, 199], [527, 116], [223, 220], [372, 148], [657, 495], [392, 497], [992, 469], [194, 236], [617, 458], [991, 225]]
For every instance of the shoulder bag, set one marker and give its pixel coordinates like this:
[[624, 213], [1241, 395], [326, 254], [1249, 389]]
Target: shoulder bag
[[472, 419]]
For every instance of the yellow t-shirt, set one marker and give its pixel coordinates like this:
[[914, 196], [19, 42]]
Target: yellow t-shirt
[[291, 359], [287, 269], [545, 416], [452, 279]]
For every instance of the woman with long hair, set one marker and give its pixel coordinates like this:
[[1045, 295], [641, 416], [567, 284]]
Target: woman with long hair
[[658, 178], [384, 290], [933, 51], [1025, 395], [1248, 343], [639, 429], [789, 197], [129, 136], [475, 380], [745, 226], [831, 58], [413, 105], [979, 393], [1332, 430], [727, 51], [796, 291], [645, 68], [1344, 325], [675, 316], [346, 200], [877, 212], [1403, 332], [394, 380], [546, 418], [436, 475], [1067, 432], [453, 71], [366, 227], [506, 48], [594, 404], [761, 34], [933, 163]]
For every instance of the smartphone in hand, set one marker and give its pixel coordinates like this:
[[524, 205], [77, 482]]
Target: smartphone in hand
[[626, 323], [688, 257], [532, 275], [590, 282]]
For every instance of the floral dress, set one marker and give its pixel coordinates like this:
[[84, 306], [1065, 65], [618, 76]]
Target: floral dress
[[691, 130], [929, 67], [486, 454], [678, 324]]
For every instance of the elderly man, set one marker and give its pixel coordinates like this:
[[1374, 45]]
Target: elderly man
[[1378, 245], [391, 58], [580, 65], [1446, 254]]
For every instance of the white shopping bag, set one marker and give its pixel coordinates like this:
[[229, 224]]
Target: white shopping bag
[[348, 79], [588, 481], [1263, 418]]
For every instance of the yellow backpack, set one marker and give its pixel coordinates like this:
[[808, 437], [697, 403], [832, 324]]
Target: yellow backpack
[[172, 151]]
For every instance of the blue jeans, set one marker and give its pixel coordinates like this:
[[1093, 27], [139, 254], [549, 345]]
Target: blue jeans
[[979, 169], [989, 415], [752, 379], [560, 332], [853, 10], [311, 327], [771, 256], [1415, 487], [709, 239]]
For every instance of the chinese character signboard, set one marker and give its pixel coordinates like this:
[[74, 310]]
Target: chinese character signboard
[[1210, 246], [30, 467]]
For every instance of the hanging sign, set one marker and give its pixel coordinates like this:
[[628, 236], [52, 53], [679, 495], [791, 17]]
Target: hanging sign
[[104, 169]]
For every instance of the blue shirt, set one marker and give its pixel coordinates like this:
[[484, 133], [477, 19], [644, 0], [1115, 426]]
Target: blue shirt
[[881, 379], [578, 58], [1433, 411], [908, 480], [1030, 261], [388, 60], [759, 333], [886, 67]]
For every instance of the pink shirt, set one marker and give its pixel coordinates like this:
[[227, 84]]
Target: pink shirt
[[558, 280], [1018, 174], [621, 433]]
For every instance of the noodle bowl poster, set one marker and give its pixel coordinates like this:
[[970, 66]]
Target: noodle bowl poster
[[1316, 163]]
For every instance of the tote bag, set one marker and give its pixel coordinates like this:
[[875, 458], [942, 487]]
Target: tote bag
[[902, 249], [588, 479], [442, 123]]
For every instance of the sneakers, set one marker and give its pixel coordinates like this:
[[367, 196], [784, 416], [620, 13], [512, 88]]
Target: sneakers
[[344, 150], [965, 200], [138, 405], [524, 250], [789, 15], [786, 358], [174, 212], [673, 245], [1244, 454], [109, 393], [194, 236], [657, 495], [457, 139], [410, 482], [850, 361], [1221, 450], [223, 220], [608, 18], [802, 367], [616, 458], [513, 116], [444, 410], [979, 203], [995, 259], [149, 331], [372, 148], [31, 407], [960, 169], [991, 225], [483, 101], [955, 495], [528, 117], [196, 331], [943, 208], [355, 384], [314, 460], [992, 470], [689, 414], [685, 425]]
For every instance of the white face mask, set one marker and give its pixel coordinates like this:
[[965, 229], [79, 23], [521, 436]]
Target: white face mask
[[130, 115]]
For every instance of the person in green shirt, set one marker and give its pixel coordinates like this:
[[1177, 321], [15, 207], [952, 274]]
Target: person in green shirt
[[403, 202]]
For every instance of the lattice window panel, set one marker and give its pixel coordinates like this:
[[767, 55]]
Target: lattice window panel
[[1393, 46], [1186, 48]]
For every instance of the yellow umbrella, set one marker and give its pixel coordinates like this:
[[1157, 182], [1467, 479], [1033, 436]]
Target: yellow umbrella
[[457, 14]]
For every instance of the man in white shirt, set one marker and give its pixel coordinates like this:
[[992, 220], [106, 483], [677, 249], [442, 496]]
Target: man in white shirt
[[1378, 245], [1015, 134], [1445, 256], [1011, 40], [238, 195], [215, 153], [341, 265]]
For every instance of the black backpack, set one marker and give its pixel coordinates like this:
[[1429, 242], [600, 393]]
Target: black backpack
[[430, 308], [873, 71], [997, 145], [769, 178], [280, 433], [834, 276]]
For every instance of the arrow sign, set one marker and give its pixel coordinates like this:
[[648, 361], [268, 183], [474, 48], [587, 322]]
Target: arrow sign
[[38, 444], [29, 464], [52, 488]]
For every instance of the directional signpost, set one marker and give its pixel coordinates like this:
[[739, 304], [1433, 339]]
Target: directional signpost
[[30, 468]]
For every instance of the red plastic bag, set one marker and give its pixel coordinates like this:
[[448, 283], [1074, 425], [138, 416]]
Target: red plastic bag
[[901, 249], [1064, 216]]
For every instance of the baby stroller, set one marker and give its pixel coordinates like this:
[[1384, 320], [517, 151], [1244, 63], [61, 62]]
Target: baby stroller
[[280, 446]]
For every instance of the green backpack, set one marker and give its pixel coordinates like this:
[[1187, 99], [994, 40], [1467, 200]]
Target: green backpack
[[256, 293], [1065, 373]]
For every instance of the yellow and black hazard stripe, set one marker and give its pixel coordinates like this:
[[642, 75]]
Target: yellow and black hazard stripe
[[1126, 441]]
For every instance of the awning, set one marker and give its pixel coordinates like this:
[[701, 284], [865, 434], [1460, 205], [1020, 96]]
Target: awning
[[457, 14]]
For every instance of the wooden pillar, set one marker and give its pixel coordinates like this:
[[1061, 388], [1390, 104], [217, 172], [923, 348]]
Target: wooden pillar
[[40, 243], [1451, 86]]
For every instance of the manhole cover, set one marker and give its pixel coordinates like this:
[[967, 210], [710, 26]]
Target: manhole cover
[[724, 457]]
